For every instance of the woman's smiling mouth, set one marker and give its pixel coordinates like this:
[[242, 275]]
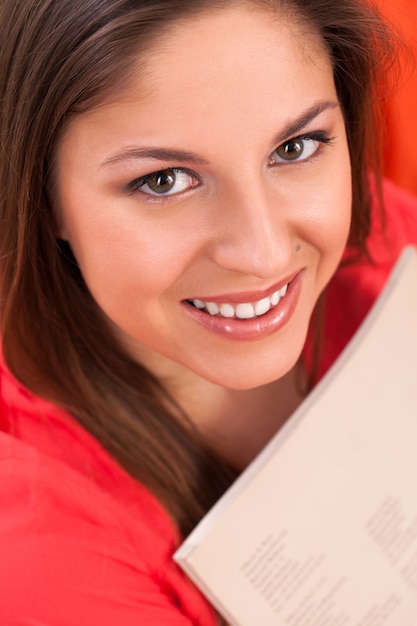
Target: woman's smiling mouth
[[248, 316], [242, 310]]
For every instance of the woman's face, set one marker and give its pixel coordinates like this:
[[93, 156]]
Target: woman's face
[[208, 203]]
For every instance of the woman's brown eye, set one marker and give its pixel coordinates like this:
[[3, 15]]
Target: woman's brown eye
[[161, 182], [291, 150], [299, 148], [167, 182]]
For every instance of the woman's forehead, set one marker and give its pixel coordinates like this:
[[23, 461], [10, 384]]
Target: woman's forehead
[[204, 73], [191, 48]]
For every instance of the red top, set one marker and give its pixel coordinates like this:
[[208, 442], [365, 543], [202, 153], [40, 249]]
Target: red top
[[81, 541]]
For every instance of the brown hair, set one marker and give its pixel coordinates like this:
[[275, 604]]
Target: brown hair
[[59, 58]]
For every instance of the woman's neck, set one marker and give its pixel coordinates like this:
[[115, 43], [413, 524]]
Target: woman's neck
[[237, 424]]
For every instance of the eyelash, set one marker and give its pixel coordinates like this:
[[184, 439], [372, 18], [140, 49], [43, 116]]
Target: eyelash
[[135, 185], [321, 137]]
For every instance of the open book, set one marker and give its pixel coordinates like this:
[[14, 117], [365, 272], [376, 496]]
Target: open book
[[321, 529]]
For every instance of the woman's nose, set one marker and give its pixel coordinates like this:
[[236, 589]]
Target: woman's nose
[[253, 234]]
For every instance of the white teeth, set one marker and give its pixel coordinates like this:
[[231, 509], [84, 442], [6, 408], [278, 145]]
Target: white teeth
[[262, 306], [212, 308], [275, 298], [245, 310], [227, 310]]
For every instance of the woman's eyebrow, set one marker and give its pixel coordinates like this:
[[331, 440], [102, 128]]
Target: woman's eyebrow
[[151, 152], [184, 156], [297, 125]]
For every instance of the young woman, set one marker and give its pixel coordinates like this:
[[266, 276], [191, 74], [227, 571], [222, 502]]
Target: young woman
[[179, 184]]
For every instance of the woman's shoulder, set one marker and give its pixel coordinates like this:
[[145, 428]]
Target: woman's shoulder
[[82, 542]]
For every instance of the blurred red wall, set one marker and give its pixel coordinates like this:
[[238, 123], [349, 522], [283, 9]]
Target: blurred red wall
[[401, 140]]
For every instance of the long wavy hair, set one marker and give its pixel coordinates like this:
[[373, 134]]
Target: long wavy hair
[[59, 58]]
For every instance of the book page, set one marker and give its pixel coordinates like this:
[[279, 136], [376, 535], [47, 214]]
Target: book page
[[322, 529]]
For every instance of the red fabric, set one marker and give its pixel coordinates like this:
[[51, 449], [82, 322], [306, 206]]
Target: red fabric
[[81, 542]]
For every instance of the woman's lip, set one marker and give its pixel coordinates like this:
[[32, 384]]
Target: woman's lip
[[255, 328], [246, 296]]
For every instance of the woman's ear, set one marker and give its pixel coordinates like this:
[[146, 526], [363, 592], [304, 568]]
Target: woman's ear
[[59, 226], [52, 198], [60, 229]]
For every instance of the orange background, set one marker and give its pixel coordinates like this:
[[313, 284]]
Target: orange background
[[401, 140]]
